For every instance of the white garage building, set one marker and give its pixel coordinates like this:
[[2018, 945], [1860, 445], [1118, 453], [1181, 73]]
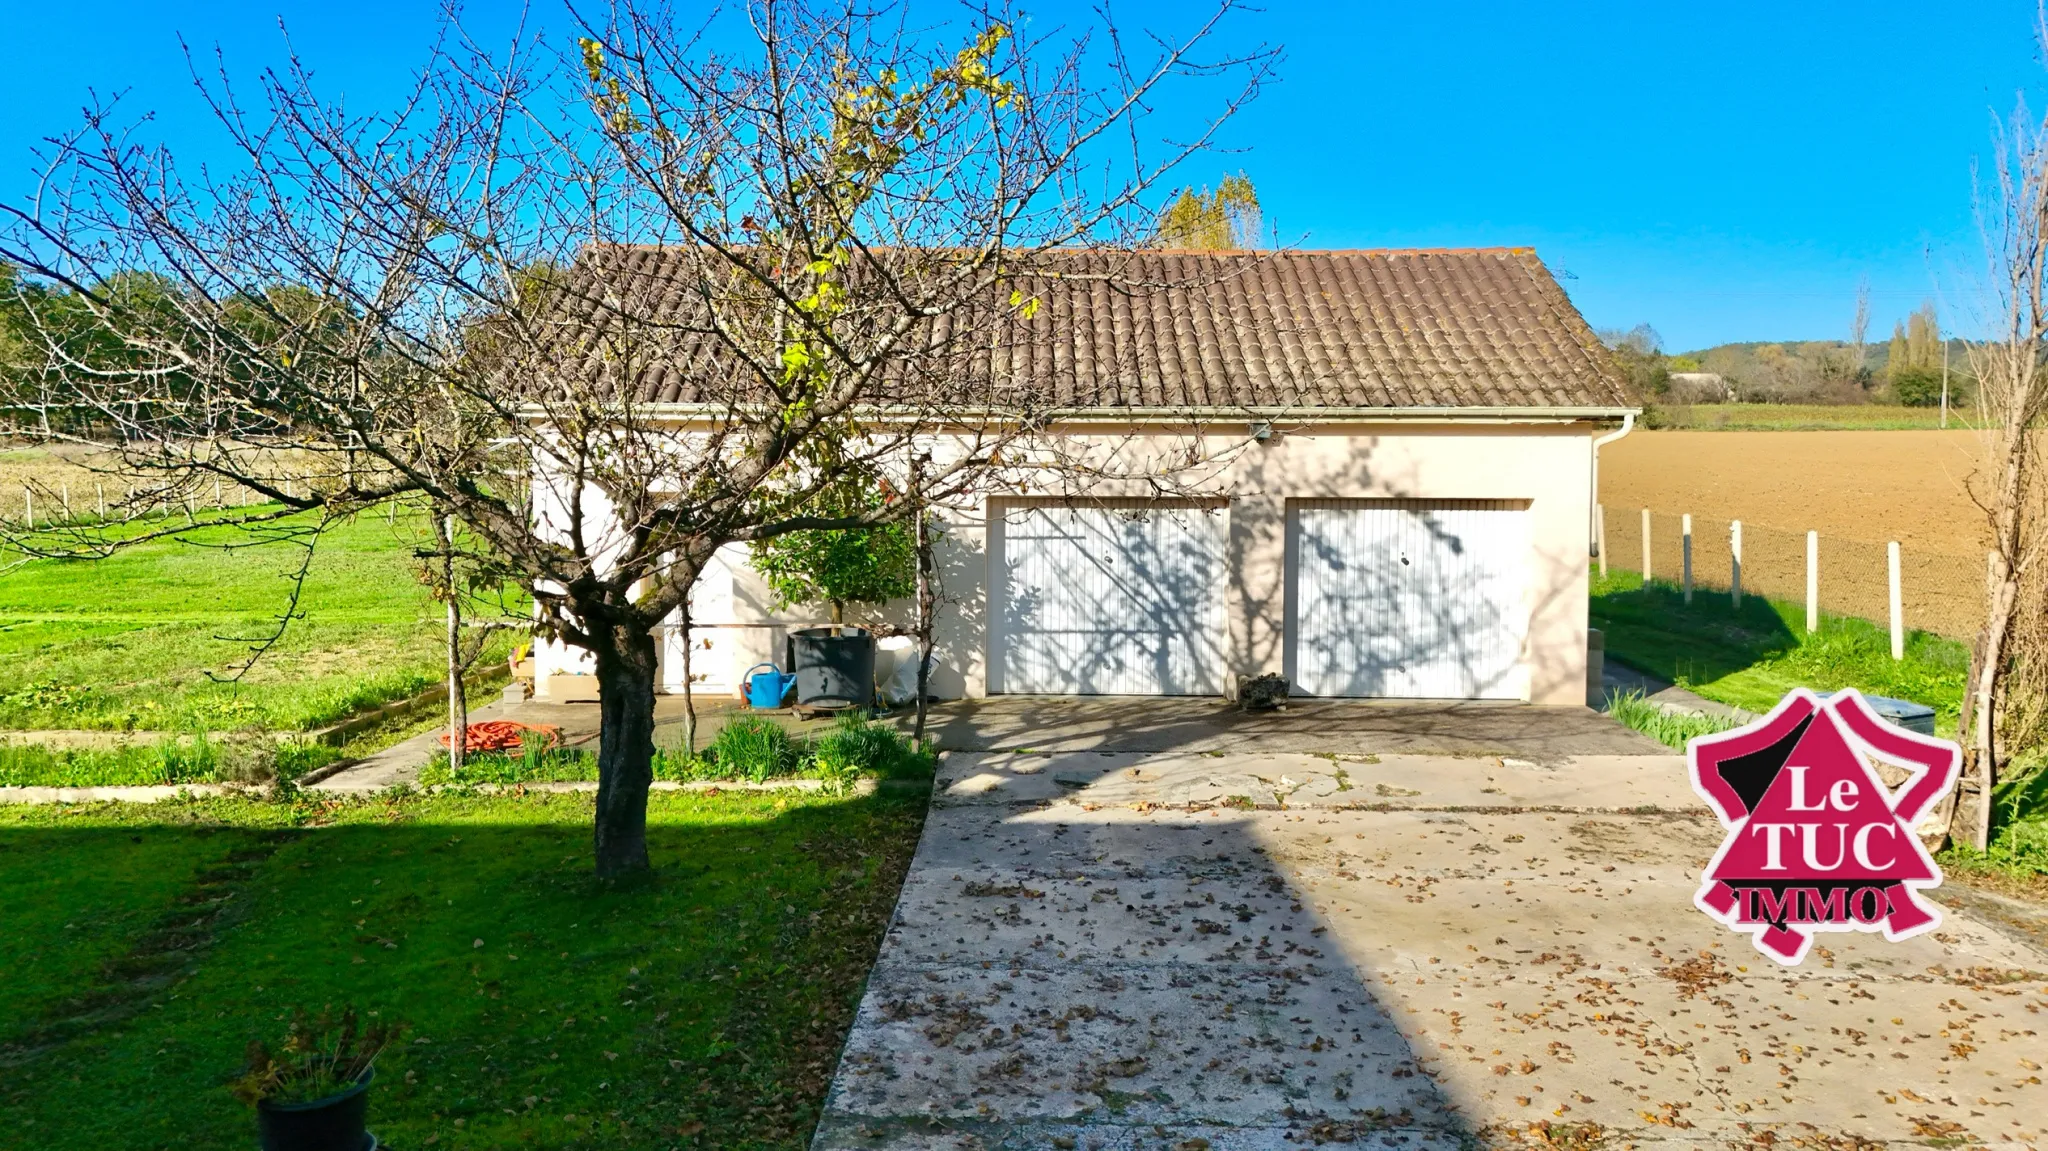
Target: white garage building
[[1400, 509]]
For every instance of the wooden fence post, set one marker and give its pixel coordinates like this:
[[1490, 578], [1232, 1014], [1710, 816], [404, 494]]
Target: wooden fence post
[[99, 492], [64, 498], [1646, 547], [1891, 556], [1685, 531], [1812, 582], [1735, 563], [28, 507]]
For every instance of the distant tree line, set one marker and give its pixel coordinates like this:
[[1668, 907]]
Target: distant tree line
[[1907, 370]]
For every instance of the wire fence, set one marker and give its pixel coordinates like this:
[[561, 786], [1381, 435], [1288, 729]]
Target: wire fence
[[33, 507], [1939, 592]]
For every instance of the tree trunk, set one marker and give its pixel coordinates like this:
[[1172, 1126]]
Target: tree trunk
[[689, 690], [926, 614], [1985, 685], [458, 703], [1987, 676], [625, 749]]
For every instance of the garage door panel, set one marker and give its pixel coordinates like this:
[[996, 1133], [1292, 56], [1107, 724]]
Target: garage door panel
[[1110, 601], [1405, 599]]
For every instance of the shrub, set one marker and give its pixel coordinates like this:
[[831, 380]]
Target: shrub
[[1917, 387], [755, 748], [856, 747]]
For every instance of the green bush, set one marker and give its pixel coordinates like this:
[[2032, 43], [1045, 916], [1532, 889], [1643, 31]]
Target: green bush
[[856, 747], [1917, 387], [755, 748]]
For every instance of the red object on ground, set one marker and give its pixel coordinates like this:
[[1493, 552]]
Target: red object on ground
[[503, 735]]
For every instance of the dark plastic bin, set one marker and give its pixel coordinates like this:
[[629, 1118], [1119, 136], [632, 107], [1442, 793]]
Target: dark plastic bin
[[835, 666], [1899, 712]]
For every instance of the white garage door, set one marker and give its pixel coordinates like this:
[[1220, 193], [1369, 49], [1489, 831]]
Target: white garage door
[[1108, 599], [1409, 599]]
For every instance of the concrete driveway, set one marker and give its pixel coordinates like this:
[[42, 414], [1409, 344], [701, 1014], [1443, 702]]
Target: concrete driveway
[[1189, 723], [1221, 951]]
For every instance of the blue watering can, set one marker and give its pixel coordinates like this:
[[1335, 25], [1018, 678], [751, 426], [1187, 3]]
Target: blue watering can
[[766, 689]]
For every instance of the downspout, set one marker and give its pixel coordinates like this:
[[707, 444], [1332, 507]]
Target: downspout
[[1628, 424]]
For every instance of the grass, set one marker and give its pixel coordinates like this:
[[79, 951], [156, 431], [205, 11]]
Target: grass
[[1750, 659], [747, 748], [1801, 417], [1630, 709], [147, 945], [181, 759], [143, 639]]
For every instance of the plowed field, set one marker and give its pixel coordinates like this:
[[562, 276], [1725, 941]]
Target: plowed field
[[1874, 486], [1857, 489]]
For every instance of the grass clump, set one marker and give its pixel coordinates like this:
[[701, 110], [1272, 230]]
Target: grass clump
[[197, 758], [2017, 858], [859, 747], [753, 747], [1751, 658], [1630, 709], [187, 760]]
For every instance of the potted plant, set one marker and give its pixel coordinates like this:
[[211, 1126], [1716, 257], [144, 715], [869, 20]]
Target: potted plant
[[835, 666], [313, 1094]]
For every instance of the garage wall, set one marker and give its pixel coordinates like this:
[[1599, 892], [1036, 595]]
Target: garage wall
[[1545, 465]]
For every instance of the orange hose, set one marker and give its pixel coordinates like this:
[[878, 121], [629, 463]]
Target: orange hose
[[504, 735]]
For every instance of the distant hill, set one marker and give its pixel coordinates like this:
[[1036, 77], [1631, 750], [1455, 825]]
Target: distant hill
[[1810, 371]]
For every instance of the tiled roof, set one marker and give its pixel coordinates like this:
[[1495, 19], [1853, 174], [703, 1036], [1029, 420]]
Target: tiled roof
[[1280, 329]]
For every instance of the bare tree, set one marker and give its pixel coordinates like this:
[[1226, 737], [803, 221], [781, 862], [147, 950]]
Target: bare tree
[[2008, 685], [1859, 331], [614, 307]]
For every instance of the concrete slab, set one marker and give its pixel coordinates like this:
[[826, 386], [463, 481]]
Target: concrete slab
[[153, 793], [1077, 961]]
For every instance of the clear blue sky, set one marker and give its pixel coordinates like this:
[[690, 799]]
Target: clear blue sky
[[1723, 171]]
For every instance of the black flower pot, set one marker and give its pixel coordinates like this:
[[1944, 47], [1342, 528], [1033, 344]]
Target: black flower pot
[[835, 667], [331, 1124]]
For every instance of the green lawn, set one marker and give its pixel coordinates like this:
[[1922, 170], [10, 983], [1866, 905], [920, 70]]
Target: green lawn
[[1752, 658], [1802, 417], [146, 946], [138, 640]]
